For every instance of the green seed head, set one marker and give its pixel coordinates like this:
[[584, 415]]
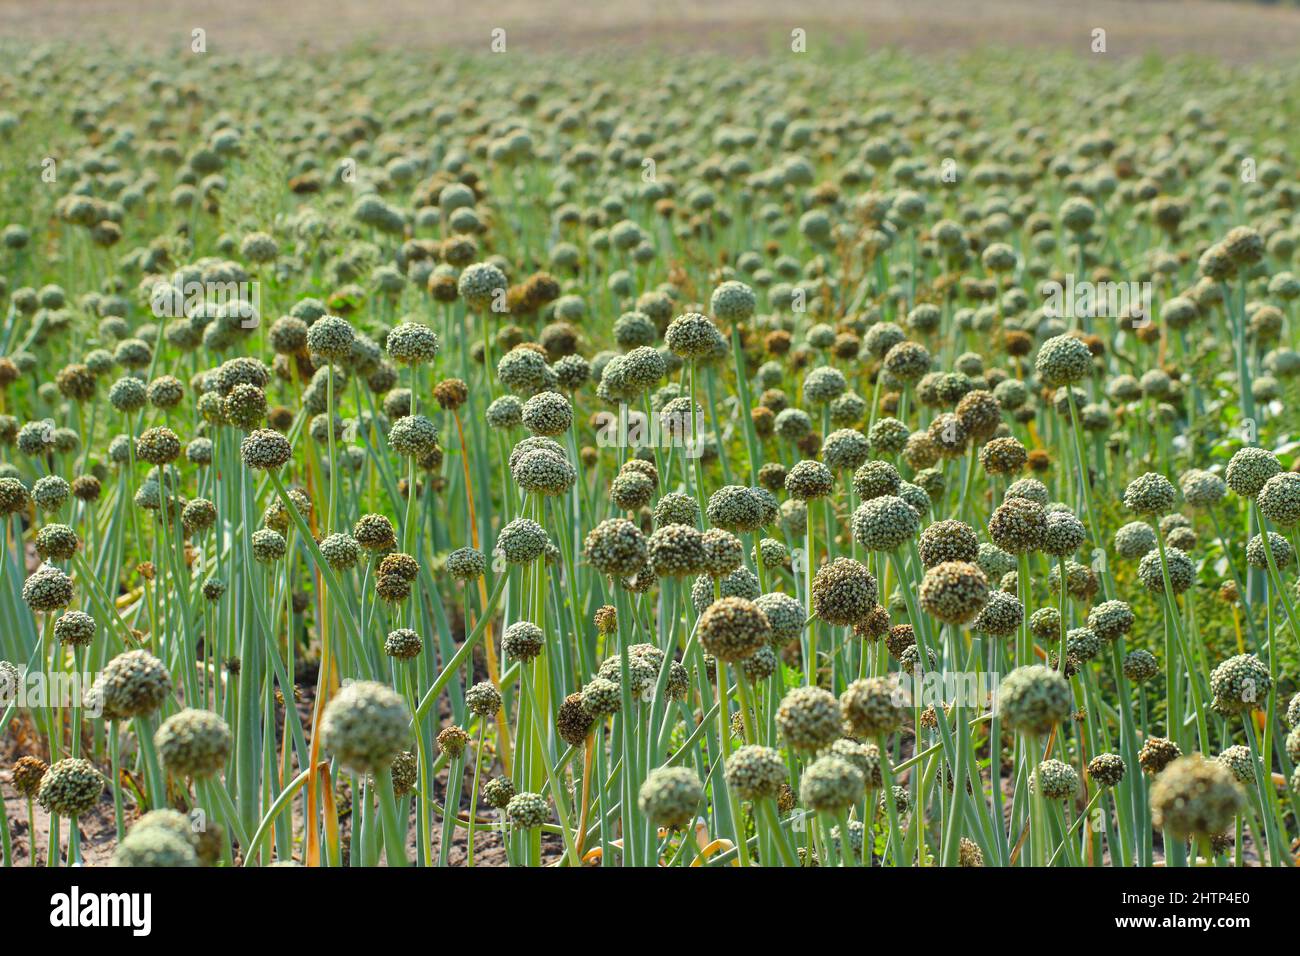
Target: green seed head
[[1034, 699], [70, 788], [809, 719], [1195, 797], [670, 795], [365, 726]]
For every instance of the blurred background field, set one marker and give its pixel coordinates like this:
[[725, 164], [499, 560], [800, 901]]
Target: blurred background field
[[1238, 31]]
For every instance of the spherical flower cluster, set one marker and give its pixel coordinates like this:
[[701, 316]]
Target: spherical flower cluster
[[1195, 797], [979, 413], [1018, 525], [70, 788], [572, 721], [831, 784], [524, 371], [1003, 456], [602, 697], [875, 479], [452, 740], [1150, 494], [47, 589], [74, 629], [823, 385], [1241, 683], [1033, 699], [27, 773], [127, 395], [157, 446], [330, 338], [505, 412], [1202, 489], [523, 641], [676, 550], [792, 424], [365, 726], [735, 508], [413, 436], [785, 616], [954, 591], [480, 284], [412, 343], [723, 552], [498, 792], [133, 684], [547, 413], [676, 507], [809, 479], [843, 592], [1064, 534], [994, 561], [198, 515], [57, 541], [1182, 573], [375, 533], [13, 496], [483, 699], [1134, 540], [466, 564], [948, 540], [1001, 616], [907, 361], [527, 811], [631, 490], [809, 719], [265, 449], [1062, 361], [733, 628], [193, 743], [156, 845], [1106, 769], [268, 545], [873, 706], [670, 796], [340, 550], [1279, 499], [1140, 666], [1157, 753], [885, 523], [1055, 779], [1110, 620], [403, 644], [733, 301], [845, 449], [405, 772], [755, 772], [888, 436], [692, 336], [616, 547], [1249, 469], [521, 541], [542, 472], [1257, 552], [1240, 763]]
